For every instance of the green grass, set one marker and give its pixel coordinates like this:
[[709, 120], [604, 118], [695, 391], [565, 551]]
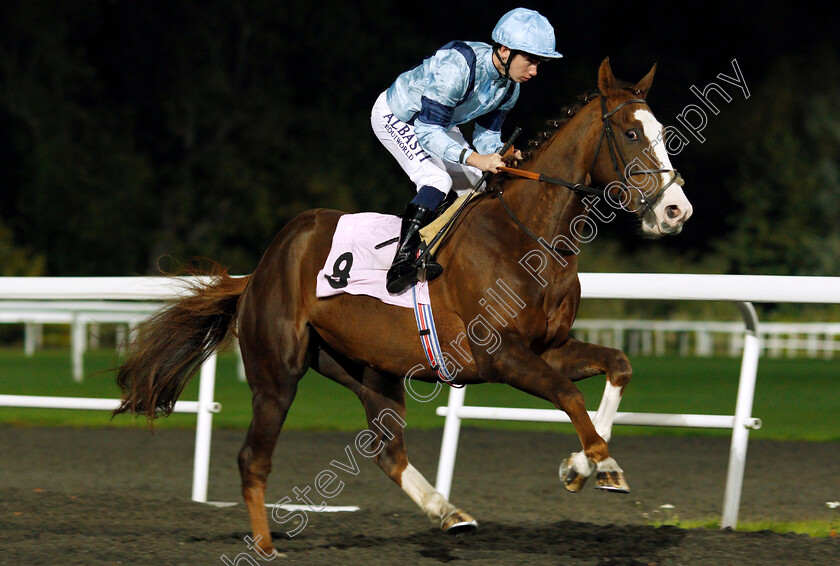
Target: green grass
[[796, 399], [817, 529]]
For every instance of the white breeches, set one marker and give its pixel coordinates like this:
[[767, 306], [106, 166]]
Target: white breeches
[[422, 168]]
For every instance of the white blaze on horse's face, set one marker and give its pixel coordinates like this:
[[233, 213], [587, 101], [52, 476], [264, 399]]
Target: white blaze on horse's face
[[673, 209]]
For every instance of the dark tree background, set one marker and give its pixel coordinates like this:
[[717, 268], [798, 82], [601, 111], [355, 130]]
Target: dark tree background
[[134, 130]]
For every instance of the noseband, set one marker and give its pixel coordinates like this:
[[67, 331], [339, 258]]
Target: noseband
[[616, 155]]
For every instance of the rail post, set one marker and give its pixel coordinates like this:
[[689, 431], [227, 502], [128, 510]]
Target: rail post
[[743, 410]]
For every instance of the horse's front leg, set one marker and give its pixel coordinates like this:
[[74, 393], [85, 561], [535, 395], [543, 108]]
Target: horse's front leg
[[519, 367], [579, 360]]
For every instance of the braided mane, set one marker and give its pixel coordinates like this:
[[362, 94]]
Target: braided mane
[[551, 127], [566, 114]]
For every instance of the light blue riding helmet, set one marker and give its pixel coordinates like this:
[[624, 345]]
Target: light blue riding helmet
[[526, 30]]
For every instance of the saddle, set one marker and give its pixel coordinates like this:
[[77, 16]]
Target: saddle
[[441, 223], [437, 228]]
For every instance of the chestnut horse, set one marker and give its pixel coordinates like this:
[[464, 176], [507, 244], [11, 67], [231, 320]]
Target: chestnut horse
[[284, 329]]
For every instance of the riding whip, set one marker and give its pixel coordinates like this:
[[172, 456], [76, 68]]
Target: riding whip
[[485, 177]]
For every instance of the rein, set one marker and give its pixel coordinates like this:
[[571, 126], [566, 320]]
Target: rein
[[615, 156]]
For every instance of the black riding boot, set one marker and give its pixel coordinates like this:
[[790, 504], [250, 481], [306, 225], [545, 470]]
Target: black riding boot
[[403, 271]]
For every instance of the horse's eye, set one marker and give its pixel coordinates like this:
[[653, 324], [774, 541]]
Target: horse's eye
[[632, 135]]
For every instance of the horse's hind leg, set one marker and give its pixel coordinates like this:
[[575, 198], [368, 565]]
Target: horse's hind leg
[[275, 359], [269, 413], [579, 360], [383, 397]]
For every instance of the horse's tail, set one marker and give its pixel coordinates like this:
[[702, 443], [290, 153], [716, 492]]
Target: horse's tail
[[173, 344]]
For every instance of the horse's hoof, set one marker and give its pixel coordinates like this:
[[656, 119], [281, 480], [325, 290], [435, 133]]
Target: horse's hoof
[[458, 523], [572, 480], [269, 553], [611, 481]]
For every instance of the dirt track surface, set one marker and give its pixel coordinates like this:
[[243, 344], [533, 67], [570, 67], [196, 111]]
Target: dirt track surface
[[96, 497]]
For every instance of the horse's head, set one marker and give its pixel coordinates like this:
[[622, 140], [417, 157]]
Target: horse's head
[[631, 158]]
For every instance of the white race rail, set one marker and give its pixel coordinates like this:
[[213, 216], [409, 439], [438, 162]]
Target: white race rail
[[648, 337], [78, 314], [741, 289], [85, 289]]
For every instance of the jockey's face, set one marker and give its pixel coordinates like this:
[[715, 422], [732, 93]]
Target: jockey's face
[[522, 68]]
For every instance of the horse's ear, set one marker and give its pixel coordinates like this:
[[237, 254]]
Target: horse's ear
[[606, 79], [643, 86]]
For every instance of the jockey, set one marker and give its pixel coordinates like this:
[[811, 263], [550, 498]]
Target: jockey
[[417, 120]]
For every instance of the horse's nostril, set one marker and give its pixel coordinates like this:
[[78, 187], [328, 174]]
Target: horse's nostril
[[673, 211]]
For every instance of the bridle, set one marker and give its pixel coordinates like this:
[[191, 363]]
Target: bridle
[[616, 157]]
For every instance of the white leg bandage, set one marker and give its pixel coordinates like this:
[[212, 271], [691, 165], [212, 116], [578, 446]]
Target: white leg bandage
[[424, 494], [606, 411]]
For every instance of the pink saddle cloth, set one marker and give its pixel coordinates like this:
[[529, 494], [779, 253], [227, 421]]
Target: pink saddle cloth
[[357, 267]]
